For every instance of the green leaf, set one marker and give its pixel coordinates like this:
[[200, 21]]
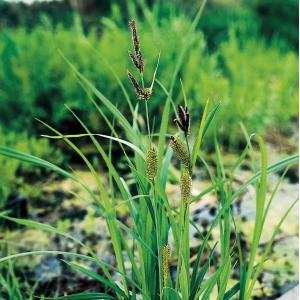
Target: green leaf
[[199, 137], [198, 278], [35, 161], [209, 285], [43, 164], [41, 226], [132, 146], [94, 275], [229, 294], [267, 250], [51, 229], [260, 206], [183, 281], [272, 168], [210, 118], [49, 252], [83, 296]]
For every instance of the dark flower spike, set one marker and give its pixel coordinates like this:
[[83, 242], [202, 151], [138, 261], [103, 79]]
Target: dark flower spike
[[134, 60], [135, 84], [183, 121], [142, 94], [137, 59]]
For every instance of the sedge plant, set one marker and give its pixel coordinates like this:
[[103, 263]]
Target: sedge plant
[[157, 230]]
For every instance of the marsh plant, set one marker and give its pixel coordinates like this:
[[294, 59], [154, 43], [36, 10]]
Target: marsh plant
[[159, 233]]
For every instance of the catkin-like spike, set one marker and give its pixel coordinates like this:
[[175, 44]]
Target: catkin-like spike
[[151, 163], [180, 151], [186, 186], [165, 263]]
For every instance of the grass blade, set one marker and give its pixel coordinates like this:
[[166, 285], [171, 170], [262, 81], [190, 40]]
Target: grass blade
[[199, 137], [96, 276]]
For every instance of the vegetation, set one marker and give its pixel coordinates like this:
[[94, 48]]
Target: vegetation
[[243, 71], [246, 74], [157, 229], [13, 173]]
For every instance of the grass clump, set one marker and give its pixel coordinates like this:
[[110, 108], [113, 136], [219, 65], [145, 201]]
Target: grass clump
[[146, 241]]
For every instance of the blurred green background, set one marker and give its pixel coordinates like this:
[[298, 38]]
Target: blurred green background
[[244, 54]]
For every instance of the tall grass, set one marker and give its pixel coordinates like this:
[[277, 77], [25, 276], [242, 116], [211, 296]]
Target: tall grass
[[154, 223]]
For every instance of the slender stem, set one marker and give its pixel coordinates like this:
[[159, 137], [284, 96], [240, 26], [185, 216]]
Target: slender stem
[[188, 146], [142, 79], [189, 152], [148, 124]]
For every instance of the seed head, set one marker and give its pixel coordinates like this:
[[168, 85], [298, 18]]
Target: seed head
[[180, 151], [165, 263], [151, 163], [186, 185], [183, 121]]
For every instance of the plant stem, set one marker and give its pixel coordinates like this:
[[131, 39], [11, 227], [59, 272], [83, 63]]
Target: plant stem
[[147, 120], [188, 147]]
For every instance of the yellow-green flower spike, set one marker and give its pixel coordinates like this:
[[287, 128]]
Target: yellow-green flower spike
[[165, 263], [180, 151], [151, 163], [186, 186]]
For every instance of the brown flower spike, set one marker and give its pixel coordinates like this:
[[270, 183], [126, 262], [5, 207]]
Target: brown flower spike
[[183, 121], [137, 57]]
